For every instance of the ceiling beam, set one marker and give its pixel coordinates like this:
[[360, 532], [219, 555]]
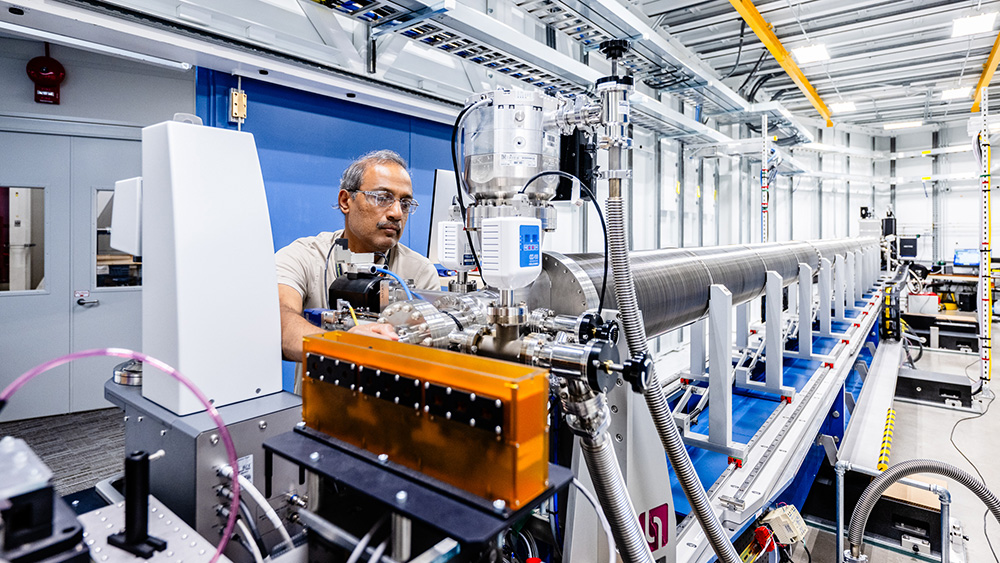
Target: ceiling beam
[[988, 69], [784, 58]]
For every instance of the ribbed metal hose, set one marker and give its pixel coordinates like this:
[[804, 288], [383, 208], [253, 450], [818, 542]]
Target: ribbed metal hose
[[670, 437], [862, 510], [599, 454]]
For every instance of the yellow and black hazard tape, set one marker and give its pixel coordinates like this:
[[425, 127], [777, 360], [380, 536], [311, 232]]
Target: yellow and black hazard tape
[[883, 454]]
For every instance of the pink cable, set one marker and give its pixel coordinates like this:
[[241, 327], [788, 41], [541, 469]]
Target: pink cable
[[227, 440]]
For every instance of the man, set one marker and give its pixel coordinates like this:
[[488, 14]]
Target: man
[[376, 198]]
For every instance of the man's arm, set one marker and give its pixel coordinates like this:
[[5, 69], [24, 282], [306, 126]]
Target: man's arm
[[294, 327]]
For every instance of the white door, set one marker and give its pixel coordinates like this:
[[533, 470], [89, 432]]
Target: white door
[[71, 176], [110, 315], [34, 322]]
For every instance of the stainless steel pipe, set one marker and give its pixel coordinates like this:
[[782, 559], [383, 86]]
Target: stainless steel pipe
[[672, 285]]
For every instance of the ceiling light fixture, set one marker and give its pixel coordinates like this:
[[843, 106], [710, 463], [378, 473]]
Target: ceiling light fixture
[[92, 47], [956, 93], [973, 25], [810, 54], [902, 125], [842, 107]]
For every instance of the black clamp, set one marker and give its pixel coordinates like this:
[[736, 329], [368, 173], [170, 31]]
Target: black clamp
[[638, 371]]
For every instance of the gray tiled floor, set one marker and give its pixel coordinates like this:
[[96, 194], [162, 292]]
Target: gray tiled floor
[[922, 432]]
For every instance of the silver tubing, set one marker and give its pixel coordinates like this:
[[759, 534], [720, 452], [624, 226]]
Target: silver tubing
[[840, 469], [945, 498], [859, 519], [609, 484], [635, 334]]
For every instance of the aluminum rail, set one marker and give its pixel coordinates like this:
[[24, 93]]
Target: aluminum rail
[[672, 285]]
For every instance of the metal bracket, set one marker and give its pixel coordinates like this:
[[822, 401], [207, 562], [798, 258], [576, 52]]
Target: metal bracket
[[829, 444], [862, 369], [849, 402]]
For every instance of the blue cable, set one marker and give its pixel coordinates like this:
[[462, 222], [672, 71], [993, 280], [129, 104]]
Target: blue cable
[[409, 294]]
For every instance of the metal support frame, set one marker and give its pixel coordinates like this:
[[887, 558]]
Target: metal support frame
[[825, 290], [850, 282], [805, 311], [742, 325], [697, 370], [774, 345], [839, 280], [720, 381]]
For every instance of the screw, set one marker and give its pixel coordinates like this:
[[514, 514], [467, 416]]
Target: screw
[[383, 458], [836, 414], [499, 505], [262, 425], [213, 439], [314, 456], [300, 425], [401, 496], [614, 409]]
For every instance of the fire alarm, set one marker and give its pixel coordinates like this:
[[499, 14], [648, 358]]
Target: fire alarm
[[47, 73]]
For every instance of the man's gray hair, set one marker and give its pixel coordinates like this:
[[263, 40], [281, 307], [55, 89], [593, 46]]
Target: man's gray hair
[[351, 180]]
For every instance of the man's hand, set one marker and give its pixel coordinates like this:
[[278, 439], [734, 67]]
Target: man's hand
[[378, 330]]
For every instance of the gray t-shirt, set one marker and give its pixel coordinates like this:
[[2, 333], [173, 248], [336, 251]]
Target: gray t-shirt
[[301, 265]]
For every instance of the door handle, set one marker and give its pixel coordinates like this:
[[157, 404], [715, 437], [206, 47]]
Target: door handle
[[87, 302]]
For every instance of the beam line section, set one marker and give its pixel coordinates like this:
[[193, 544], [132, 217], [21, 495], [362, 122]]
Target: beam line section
[[763, 31]]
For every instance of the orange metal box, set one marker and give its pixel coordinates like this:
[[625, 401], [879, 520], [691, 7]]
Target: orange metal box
[[476, 423]]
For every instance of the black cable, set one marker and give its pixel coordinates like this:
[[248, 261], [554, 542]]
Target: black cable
[[458, 186], [736, 65], [604, 226], [758, 85], [951, 438], [808, 554], [753, 71]]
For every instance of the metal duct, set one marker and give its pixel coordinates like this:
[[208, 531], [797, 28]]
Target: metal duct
[[672, 285]]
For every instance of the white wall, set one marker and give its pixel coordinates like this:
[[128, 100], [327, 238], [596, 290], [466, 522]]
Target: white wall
[[97, 89]]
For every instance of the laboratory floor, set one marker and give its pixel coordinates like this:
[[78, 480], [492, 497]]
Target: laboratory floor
[[922, 432]]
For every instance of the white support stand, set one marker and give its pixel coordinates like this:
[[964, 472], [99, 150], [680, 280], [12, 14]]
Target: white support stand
[[697, 370], [805, 311], [720, 381], [742, 326], [774, 346], [859, 276], [825, 290], [793, 298], [839, 273], [850, 291]]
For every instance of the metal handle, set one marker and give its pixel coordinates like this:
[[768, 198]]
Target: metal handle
[[87, 302]]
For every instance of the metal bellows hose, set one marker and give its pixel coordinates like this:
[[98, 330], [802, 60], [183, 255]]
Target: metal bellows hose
[[610, 486], [859, 518], [635, 334]]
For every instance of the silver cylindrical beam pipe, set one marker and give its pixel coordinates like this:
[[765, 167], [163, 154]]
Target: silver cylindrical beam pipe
[[672, 285]]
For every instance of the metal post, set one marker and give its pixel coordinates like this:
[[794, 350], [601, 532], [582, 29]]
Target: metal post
[[839, 273], [850, 281], [859, 284], [774, 347], [825, 289], [985, 253], [793, 298], [945, 498], [742, 325], [402, 530], [805, 311], [720, 384], [764, 186], [698, 350]]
